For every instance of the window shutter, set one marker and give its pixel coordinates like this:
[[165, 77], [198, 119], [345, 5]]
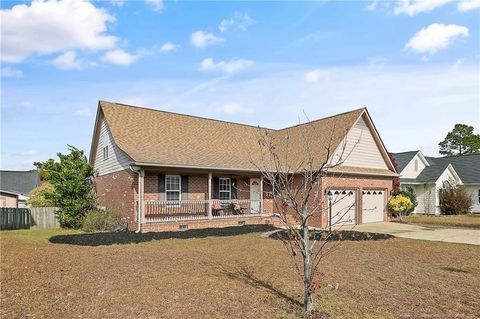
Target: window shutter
[[161, 186], [234, 188], [216, 188], [184, 187]]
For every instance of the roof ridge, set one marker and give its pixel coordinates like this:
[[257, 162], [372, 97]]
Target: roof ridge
[[230, 122], [323, 118], [454, 156], [408, 152], [187, 115]]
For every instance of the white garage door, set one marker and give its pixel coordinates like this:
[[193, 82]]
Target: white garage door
[[373, 203], [343, 206]]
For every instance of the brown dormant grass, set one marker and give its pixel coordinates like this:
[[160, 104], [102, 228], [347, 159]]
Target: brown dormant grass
[[212, 276], [462, 221]]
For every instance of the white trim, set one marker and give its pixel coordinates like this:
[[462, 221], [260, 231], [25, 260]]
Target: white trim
[[453, 172]]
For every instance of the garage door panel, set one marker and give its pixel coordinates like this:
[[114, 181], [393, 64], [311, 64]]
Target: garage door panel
[[343, 206], [373, 205]]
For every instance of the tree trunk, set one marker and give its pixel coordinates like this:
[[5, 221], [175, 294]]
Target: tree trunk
[[307, 267]]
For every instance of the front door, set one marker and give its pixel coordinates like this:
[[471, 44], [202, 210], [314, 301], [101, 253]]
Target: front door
[[255, 195]]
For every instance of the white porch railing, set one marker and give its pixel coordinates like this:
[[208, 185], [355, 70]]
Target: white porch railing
[[158, 211]]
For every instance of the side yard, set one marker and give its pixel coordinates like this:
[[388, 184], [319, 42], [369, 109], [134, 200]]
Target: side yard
[[463, 221], [238, 274]]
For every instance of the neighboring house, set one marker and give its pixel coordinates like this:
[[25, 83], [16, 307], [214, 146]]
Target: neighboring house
[[428, 175], [8, 199], [168, 171], [20, 183]]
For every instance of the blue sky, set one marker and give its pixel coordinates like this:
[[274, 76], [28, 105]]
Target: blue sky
[[413, 64]]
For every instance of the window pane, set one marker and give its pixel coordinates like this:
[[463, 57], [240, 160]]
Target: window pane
[[172, 195], [224, 184], [224, 195], [172, 183]]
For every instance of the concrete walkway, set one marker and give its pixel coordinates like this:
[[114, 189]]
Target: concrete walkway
[[451, 235]]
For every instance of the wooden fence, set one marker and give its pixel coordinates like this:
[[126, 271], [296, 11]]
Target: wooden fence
[[25, 218]]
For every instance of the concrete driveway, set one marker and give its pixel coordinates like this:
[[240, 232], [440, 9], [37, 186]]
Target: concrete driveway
[[451, 235]]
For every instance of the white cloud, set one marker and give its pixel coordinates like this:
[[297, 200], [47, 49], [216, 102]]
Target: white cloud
[[69, 61], [29, 153], [467, 5], [435, 37], [317, 75], [231, 66], [234, 109], [169, 46], [9, 72], [119, 57], [53, 26], [156, 5], [202, 39], [239, 20], [413, 7], [85, 112], [118, 3]]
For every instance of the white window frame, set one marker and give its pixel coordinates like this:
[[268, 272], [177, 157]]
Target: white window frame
[[179, 191], [105, 146], [229, 191]]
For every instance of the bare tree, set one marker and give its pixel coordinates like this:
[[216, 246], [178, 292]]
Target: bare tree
[[293, 167]]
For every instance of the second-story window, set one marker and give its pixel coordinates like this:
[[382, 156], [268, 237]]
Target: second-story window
[[105, 145]]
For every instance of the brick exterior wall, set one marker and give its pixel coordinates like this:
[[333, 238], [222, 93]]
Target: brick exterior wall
[[117, 191], [197, 187]]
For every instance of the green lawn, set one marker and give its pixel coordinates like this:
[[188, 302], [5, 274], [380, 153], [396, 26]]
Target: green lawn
[[462, 221], [228, 273]]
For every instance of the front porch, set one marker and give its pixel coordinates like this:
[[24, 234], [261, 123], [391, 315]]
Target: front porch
[[169, 199], [164, 211]]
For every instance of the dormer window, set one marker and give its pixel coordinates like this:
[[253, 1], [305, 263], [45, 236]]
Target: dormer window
[[105, 146]]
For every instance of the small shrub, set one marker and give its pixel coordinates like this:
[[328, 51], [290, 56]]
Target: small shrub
[[455, 200], [408, 192], [38, 197], [399, 205], [101, 220]]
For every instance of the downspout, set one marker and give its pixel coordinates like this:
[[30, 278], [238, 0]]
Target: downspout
[[138, 170]]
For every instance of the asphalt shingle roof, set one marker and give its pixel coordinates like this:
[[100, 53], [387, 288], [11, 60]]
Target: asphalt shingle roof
[[21, 182], [153, 136], [466, 166], [403, 159]]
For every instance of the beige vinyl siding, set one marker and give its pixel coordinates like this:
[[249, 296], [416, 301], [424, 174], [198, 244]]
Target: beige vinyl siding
[[409, 170], [359, 149], [117, 160]]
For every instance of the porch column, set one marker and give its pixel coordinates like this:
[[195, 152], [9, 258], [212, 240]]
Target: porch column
[[141, 194], [261, 194], [209, 195]]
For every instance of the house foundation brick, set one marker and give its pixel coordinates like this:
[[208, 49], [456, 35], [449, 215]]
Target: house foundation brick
[[207, 223]]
